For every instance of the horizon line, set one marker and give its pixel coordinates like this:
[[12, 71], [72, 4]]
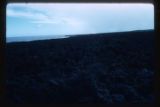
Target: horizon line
[[80, 34]]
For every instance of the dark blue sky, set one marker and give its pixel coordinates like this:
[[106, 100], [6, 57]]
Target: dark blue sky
[[71, 18]]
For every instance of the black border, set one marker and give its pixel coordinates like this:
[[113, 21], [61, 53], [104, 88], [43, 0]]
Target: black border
[[3, 4], [117, 1], [2, 49]]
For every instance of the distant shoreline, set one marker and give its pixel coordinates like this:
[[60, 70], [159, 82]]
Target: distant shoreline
[[34, 38]]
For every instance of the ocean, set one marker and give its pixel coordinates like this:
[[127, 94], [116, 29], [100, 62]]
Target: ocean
[[31, 38]]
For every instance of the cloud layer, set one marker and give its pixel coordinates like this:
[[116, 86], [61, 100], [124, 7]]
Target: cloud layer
[[72, 18]]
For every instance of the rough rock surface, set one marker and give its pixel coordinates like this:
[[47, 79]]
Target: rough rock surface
[[100, 68]]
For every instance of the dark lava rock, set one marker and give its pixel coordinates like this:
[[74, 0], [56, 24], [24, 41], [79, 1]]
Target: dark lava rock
[[99, 68], [118, 98]]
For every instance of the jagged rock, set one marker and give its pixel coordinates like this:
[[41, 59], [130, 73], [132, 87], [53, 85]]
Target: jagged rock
[[102, 68], [118, 98], [54, 82], [104, 94]]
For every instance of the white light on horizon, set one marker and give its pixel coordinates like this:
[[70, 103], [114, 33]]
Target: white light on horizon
[[77, 18]]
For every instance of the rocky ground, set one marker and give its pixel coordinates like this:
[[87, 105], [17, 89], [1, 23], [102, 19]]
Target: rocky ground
[[100, 68]]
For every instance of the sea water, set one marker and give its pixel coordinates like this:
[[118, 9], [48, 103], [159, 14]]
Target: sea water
[[32, 38]]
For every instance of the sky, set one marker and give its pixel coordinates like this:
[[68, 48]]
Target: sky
[[37, 19]]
